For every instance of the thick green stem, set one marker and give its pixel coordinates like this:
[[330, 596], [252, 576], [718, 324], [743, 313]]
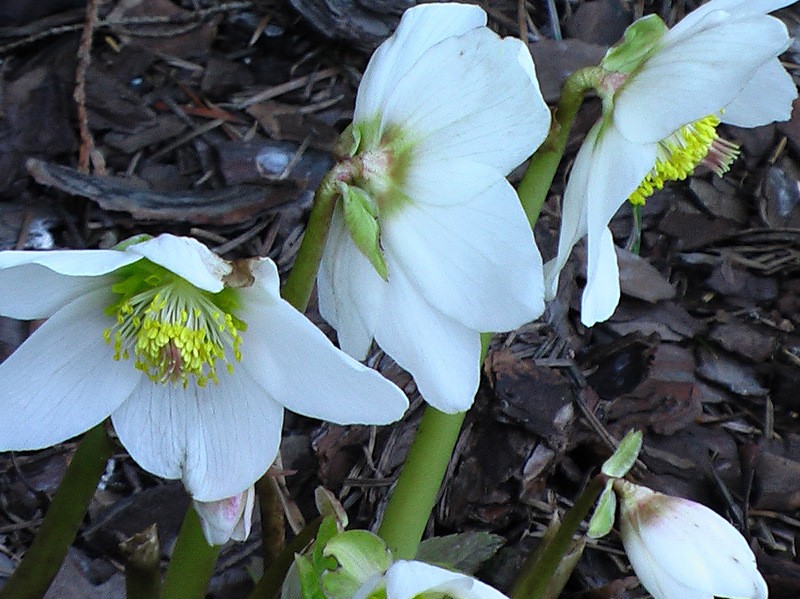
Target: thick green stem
[[300, 282], [544, 163], [42, 561], [192, 562], [142, 564], [540, 566], [414, 496]]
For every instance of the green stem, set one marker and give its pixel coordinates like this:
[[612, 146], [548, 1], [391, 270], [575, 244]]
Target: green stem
[[543, 166], [271, 581], [414, 496], [300, 282], [42, 561], [540, 566], [142, 564], [192, 562]]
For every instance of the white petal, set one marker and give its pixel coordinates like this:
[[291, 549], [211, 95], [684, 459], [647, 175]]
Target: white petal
[[470, 97], [299, 366], [465, 179], [351, 293], [420, 28], [476, 262], [410, 579], [607, 170], [63, 380], [697, 75], [187, 258], [766, 98], [740, 8], [74, 263], [441, 354], [678, 542], [32, 291], [219, 439], [228, 518]]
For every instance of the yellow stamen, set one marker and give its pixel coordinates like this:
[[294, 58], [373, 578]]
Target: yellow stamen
[[680, 153], [173, 329]]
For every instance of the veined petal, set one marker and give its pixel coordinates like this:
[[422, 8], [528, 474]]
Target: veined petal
[[420, 28], [299, 366], [219, 439], [740, 8], [351, 293], [766, 98], [187, 258], [409, 579], [63, 380], [441, 354], [601, 294], [477, 262], [499, 117], [32, 291], [696, 75]]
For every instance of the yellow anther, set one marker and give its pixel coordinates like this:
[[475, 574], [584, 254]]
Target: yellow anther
[[680, 153]]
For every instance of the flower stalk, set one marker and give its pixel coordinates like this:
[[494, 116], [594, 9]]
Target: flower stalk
[[192, 562], [42, 561]]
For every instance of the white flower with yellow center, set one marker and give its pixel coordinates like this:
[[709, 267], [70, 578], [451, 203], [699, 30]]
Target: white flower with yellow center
[[193, 357], [664, 93], [682, 549], [429, 245]]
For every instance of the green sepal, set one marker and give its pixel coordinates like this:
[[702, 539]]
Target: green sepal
[[361, 218], [640, 41], [624, 457], [347, 144], [603, 518], [361, 556]]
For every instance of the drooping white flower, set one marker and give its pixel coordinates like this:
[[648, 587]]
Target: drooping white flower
[[228, 518], [445, 110], [682, 549], [662, 103], [193, 357]]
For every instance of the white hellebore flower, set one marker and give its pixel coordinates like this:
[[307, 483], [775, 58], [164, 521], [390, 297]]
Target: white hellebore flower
[[664, 94], [442, 249], [418, 580], [228, 518], [193, 357], [682, 549]]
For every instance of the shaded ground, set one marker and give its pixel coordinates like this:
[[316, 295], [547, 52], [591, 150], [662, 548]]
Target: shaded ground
[[216, 120]]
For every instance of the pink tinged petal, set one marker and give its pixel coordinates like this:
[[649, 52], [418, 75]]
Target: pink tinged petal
[[697, 75], [228, 518], [687, 544], [440, 353], [420, 28], [476, 262], [219, 439], [63, 380], [351, 293], [298, 365], [187, 258], [766, 98], [470, 97], [410, 579]]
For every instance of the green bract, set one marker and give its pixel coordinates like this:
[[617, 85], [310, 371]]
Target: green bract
[[625, 456], [641, 40]]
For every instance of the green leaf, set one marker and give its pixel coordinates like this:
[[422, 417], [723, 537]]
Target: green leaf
[[360, 556], [641, 40], [603, 518], [625, 457], [309, 578], [465, 552], [361, 218]]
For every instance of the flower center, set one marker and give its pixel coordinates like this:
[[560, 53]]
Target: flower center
[[172, 329], [680, 153]]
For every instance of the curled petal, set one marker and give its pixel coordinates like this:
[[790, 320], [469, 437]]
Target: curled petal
[[63, 380], [228, 518], [187, 258], [219, 439]]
